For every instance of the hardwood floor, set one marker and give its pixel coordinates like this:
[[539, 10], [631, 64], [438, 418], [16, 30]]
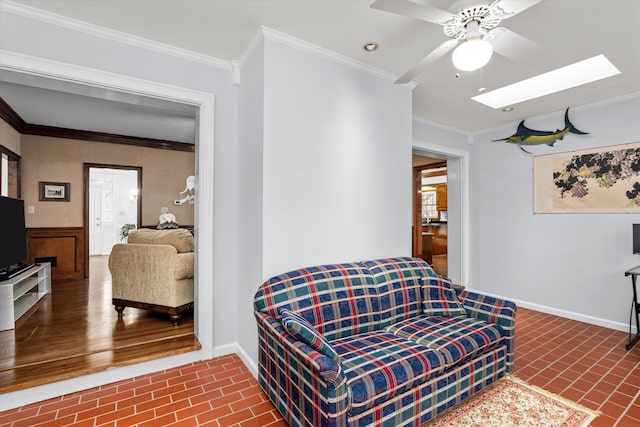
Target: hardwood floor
[[439, 264], [75, 331]]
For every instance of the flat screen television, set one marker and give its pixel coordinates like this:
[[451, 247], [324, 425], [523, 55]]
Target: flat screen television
[[13, 250], [636, 239]]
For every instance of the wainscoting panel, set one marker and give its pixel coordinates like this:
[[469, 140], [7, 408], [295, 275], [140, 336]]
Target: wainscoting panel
[[63, 247]]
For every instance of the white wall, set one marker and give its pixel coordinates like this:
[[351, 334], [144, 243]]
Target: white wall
[[336, 171], [571, 264], [250, 210], [337, 163]]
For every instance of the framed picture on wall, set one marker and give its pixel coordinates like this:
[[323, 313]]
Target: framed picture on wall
[[54, 191]]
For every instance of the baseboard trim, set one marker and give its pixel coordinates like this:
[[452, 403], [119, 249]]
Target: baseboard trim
[[618, 326], [236, 348]]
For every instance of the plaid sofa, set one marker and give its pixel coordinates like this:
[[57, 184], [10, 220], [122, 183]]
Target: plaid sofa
[[385, 342]]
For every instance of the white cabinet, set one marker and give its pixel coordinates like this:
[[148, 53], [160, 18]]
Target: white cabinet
[[20, 293]]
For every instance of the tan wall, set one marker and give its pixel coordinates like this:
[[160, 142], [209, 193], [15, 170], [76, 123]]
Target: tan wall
[[9, 137], [164, 174]]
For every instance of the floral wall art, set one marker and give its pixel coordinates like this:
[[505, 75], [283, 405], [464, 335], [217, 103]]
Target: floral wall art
[[602, 180]]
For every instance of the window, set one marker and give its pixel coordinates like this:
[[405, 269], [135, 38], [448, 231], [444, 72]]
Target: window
[[9, 173], [429, 205]]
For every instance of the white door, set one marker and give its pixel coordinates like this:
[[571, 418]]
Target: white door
[[95, 219]]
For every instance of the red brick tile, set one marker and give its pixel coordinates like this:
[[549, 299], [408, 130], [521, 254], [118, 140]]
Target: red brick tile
[[159, 421], [137, 418], [172, 407], [246, 403], [235, 418], [259, 421], [193, 411], [115, 415], [59, 404]]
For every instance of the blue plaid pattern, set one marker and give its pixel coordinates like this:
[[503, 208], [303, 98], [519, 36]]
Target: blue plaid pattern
[[456, 338], [439, 298], [338, 300], [301, 330], [348, 304], [496, 311], [399, 283], [379, 365], [422, 403]]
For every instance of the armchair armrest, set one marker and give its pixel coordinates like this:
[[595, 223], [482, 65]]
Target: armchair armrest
[[494, 310], [296, 376]]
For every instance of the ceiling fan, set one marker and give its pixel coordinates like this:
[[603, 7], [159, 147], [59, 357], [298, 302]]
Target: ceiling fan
[[474, 30]]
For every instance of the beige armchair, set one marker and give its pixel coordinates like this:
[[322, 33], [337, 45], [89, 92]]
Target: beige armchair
[[153, 271]]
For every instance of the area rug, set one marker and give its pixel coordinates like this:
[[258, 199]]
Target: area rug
[[512, 402]]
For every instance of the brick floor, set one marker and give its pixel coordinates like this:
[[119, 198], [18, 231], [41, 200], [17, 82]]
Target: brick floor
[[585, 363]]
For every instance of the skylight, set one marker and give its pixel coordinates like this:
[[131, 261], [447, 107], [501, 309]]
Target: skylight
[[580, 73]]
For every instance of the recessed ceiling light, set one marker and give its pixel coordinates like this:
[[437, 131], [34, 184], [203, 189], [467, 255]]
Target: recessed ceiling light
[[580, 73], [371, 46], [507, 109]]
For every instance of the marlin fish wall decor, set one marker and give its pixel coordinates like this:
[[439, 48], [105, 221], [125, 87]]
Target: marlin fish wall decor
[[526, 136]]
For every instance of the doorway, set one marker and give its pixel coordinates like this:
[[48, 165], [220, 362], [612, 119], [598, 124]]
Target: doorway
[[36, 67], [457, 205], [112, 199], [114, 195], [430, 215]]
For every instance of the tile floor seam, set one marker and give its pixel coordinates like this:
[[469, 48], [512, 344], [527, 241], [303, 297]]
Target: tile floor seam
[[627, 408]]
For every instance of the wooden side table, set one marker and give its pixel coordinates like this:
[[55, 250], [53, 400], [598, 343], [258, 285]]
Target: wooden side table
[[634, 272]]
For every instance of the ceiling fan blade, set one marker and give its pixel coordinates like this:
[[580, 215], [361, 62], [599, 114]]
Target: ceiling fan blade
[[514, 46], [432, 57], [512, 7], [414, 10]]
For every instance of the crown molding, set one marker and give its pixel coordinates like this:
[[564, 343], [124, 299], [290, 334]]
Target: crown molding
[[10, 116], [287, 40], [14, 120], [265, 33], [428, 122], [105, 33]]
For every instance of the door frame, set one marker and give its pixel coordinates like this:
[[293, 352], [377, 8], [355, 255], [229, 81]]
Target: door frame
[[460, 203], [86, 178], [204, 220]]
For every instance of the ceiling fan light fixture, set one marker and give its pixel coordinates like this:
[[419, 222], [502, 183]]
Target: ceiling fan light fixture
[[472, 54]]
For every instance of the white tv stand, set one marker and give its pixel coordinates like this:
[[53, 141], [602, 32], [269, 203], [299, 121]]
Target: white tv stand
[[20, 293]]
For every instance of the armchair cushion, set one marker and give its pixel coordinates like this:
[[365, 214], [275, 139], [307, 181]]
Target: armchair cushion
[[439, 298], [303, 331], [180, 238]]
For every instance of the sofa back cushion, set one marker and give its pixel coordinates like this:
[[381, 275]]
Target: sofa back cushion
[[338, 300], [180, 238], [440, 299], [399, 282]]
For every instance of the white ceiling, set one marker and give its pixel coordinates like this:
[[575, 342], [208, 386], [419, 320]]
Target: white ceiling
[[567, 30]]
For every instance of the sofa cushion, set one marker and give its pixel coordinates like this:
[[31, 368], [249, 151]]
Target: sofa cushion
[[184, 267], [456, 338], [439, 298], [301, 330], [399, 287], [379, 365], [338, 299], [181, 238]]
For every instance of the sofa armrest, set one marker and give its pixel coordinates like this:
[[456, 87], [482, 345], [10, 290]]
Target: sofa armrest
[[494, 310], [296, 376]]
